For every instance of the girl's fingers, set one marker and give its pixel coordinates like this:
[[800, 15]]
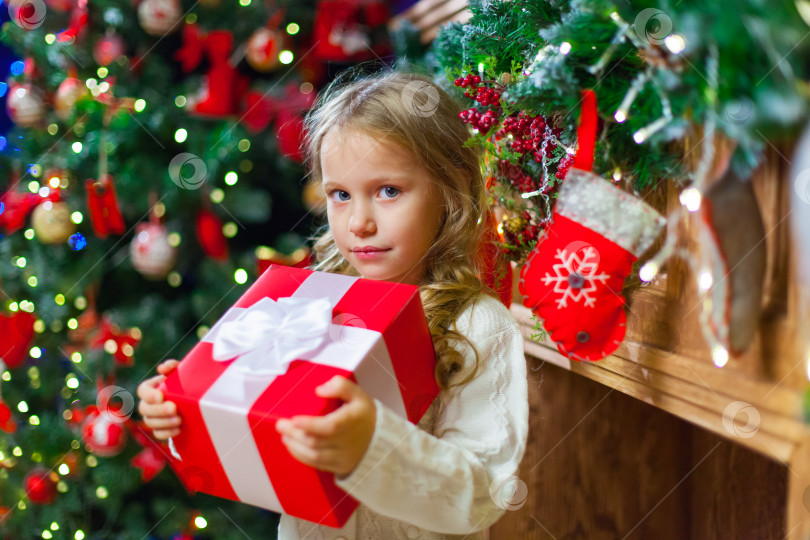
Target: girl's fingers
[[163, 423], [164, 434], [167, 367], [307, 440], [300, 451], [162, 410], [148, 391]]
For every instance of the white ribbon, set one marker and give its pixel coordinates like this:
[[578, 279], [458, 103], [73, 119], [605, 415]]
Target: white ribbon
[[270, 334]]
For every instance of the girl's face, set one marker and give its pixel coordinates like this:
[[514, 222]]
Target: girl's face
[[384, 210]]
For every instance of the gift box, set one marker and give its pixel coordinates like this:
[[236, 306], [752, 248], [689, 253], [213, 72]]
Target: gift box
[[290, 332]]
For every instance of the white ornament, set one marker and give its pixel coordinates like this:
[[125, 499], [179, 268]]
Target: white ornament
[[159, 17], [152, 254], [24, 105]]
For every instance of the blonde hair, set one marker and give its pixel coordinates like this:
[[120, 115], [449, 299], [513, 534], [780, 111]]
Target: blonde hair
[[416, 114]]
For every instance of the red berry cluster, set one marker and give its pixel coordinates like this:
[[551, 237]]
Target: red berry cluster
[[482, 94], [528, 133], [468, 80], [563, 166], [481, 122], [523, 182]]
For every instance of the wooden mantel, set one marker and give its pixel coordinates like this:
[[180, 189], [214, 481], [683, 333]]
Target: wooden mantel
[[664, 360]]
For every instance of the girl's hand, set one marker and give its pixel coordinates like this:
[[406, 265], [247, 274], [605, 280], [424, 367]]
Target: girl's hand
[[159, 416], [335, 442]]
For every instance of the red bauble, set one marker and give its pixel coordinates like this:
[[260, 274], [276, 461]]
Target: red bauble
[[102, 435], [17, 330], [40, 486], [7, 422], [108, 49], [210, 237]]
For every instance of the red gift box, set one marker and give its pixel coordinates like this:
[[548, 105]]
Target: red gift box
[[290, 332]]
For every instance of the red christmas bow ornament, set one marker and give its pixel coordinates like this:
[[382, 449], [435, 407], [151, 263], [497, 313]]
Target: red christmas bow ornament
[[125, 342], [224, 85], [102, 202], [152, 458], [14, 208], [262, 109], [78, 22], [191, 53]]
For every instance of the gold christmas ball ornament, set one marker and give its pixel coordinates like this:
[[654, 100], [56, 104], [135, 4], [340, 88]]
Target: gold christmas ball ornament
[[159, 17], [514, 225], [51, 222], [313, 196]]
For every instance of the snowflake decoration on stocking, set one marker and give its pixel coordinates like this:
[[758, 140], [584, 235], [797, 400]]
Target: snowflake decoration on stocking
[[576, 276]]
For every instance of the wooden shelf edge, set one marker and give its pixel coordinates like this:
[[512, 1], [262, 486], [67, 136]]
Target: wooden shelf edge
[[777, 435]]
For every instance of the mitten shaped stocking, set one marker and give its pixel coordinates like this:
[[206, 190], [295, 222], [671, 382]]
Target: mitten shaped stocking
[[573, 279]]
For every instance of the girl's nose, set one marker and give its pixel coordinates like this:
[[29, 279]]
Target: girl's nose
[[361, 221]]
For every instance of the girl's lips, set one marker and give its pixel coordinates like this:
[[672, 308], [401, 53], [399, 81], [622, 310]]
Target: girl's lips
[[370, 254]]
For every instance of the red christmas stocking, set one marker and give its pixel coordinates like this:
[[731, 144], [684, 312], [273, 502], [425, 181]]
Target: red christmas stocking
[[573, 279]]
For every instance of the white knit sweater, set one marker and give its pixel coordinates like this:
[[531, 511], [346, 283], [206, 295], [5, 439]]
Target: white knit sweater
[[442, 478]]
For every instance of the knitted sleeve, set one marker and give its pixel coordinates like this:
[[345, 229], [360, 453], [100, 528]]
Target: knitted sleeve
[[453, 481]]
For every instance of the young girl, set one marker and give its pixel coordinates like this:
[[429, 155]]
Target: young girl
[[405, 203]]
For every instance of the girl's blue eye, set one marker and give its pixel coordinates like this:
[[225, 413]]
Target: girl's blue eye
[[387, 192], [339, 191]]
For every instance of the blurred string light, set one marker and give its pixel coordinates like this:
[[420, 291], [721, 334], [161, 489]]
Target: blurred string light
[[285, 56], [293, 28]]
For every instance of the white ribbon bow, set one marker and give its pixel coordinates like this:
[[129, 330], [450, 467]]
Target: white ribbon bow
[[270, 334]]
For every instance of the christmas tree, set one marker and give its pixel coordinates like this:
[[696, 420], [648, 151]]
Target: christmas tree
[[151, 171]]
